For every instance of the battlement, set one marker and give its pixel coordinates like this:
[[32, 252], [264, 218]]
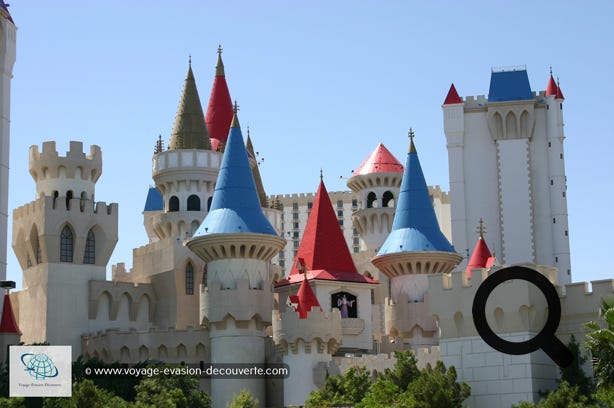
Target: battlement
[[51, 205], [241, 303], [319, 328], [173, 160], [48, 164]]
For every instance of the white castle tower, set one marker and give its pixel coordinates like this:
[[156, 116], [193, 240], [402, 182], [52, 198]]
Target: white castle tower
[[307, 337], [7, 60], [63, 240], [415, 248], [507, 166], [237, 242]]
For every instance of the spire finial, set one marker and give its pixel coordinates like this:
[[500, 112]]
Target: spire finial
[[411, 134], [190, 60], [219, 68], [235, 118], [550, 69], [321, 174], [248, 131], [219, 50], [235, 107], [481, 229], [159, 145]]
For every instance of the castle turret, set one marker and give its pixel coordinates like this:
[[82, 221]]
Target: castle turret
[[62, 240], [9, 330], [307, 337], [185, 174], [324, 257], [219, 111], [237, 242], [481, 256], [7, 61], [415, 248]]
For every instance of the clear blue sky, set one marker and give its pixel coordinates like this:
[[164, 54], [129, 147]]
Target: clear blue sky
[[320, 83]]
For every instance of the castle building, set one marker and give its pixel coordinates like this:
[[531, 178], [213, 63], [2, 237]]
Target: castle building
[[507, 167]]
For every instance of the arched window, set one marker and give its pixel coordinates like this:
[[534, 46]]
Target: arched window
[[346, 303], [209, 200], [205, 273], [66, 244], [173, 204], [370, 199], [82, 202], [387, 198], [193, 203], [189, 279], [55, 196], [68, 198], [89, 256]]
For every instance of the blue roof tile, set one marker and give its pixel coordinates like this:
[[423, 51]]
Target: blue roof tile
[[509, 86], [415, 226], [235, 206], [154, 200]]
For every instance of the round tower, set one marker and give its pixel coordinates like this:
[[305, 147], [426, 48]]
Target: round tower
[[237, 242], [184, 174], [8, 33], [415, 248], [558, 181], [377, 182], [307, 338]]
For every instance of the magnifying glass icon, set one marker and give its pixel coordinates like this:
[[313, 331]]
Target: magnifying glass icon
[[545, 339]]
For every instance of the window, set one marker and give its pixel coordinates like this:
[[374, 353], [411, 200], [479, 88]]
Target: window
[[309, 205], [340, 213], [173, 204], [189, 279], [341, 223], [193, 203], [295, 206], [356, 250], [566, 233], [281, 254], [282, 263], [295, 225], [339, 204], [295, 244], [66, 244], [346, 303], [355, 231], [295, 234], [210, 199], [354, 203], [89, 256], [371, 199], [387, 199], [205, 275], [295, 216], [356, 241], [68, 198]]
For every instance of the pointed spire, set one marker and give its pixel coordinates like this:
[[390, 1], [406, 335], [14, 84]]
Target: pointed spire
[[412, 147], [219, 110], [551, 88], [452, 97], [235, 207], [481, 256], [256, 172], [8, 324], [159, 145], [235, 118], [4, 11], [189, 131], [415, 226], [219, 68], [307, 300], [379, 161]]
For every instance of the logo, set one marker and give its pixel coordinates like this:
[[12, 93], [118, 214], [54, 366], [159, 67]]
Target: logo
[[40, 371], [39, 366]]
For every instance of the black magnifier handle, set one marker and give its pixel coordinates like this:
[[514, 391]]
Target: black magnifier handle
[[558, 352]]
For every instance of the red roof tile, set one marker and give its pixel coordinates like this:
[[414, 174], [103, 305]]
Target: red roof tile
[[551, 89], [306, 299], [8, 323], [452, 96], [219, 111], [379, 161], [323, 251], [480, 258]]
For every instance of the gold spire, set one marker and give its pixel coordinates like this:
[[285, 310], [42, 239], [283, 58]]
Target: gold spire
[[481, 229], [412, 148], [235, 118], [219, 68]]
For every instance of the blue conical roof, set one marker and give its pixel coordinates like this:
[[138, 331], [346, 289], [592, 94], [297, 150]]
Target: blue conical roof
[[415, 226], [235, 207]]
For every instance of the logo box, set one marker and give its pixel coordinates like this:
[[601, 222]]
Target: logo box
[[40, 371]]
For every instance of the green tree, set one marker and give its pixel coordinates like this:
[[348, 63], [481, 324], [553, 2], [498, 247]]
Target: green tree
[[243, 400], [565, 396], [405, 369], [437, 388], [600, 342], [347, 388], [383, 393], [87, 394], [574, 375]]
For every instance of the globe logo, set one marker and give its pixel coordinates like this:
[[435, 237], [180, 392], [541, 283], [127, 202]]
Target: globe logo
[[39, 366]]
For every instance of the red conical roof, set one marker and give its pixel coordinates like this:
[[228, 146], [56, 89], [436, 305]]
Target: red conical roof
[[306, 299], [452, 96], [551, 89], [480, 258], [379, 161], [219, 111], [8, 323], [323, 252], [559, 93]]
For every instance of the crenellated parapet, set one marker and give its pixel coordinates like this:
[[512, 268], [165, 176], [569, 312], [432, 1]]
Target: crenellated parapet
[[186, 170], [320, 331], [237, 245], [241, 303], [168, 345]]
